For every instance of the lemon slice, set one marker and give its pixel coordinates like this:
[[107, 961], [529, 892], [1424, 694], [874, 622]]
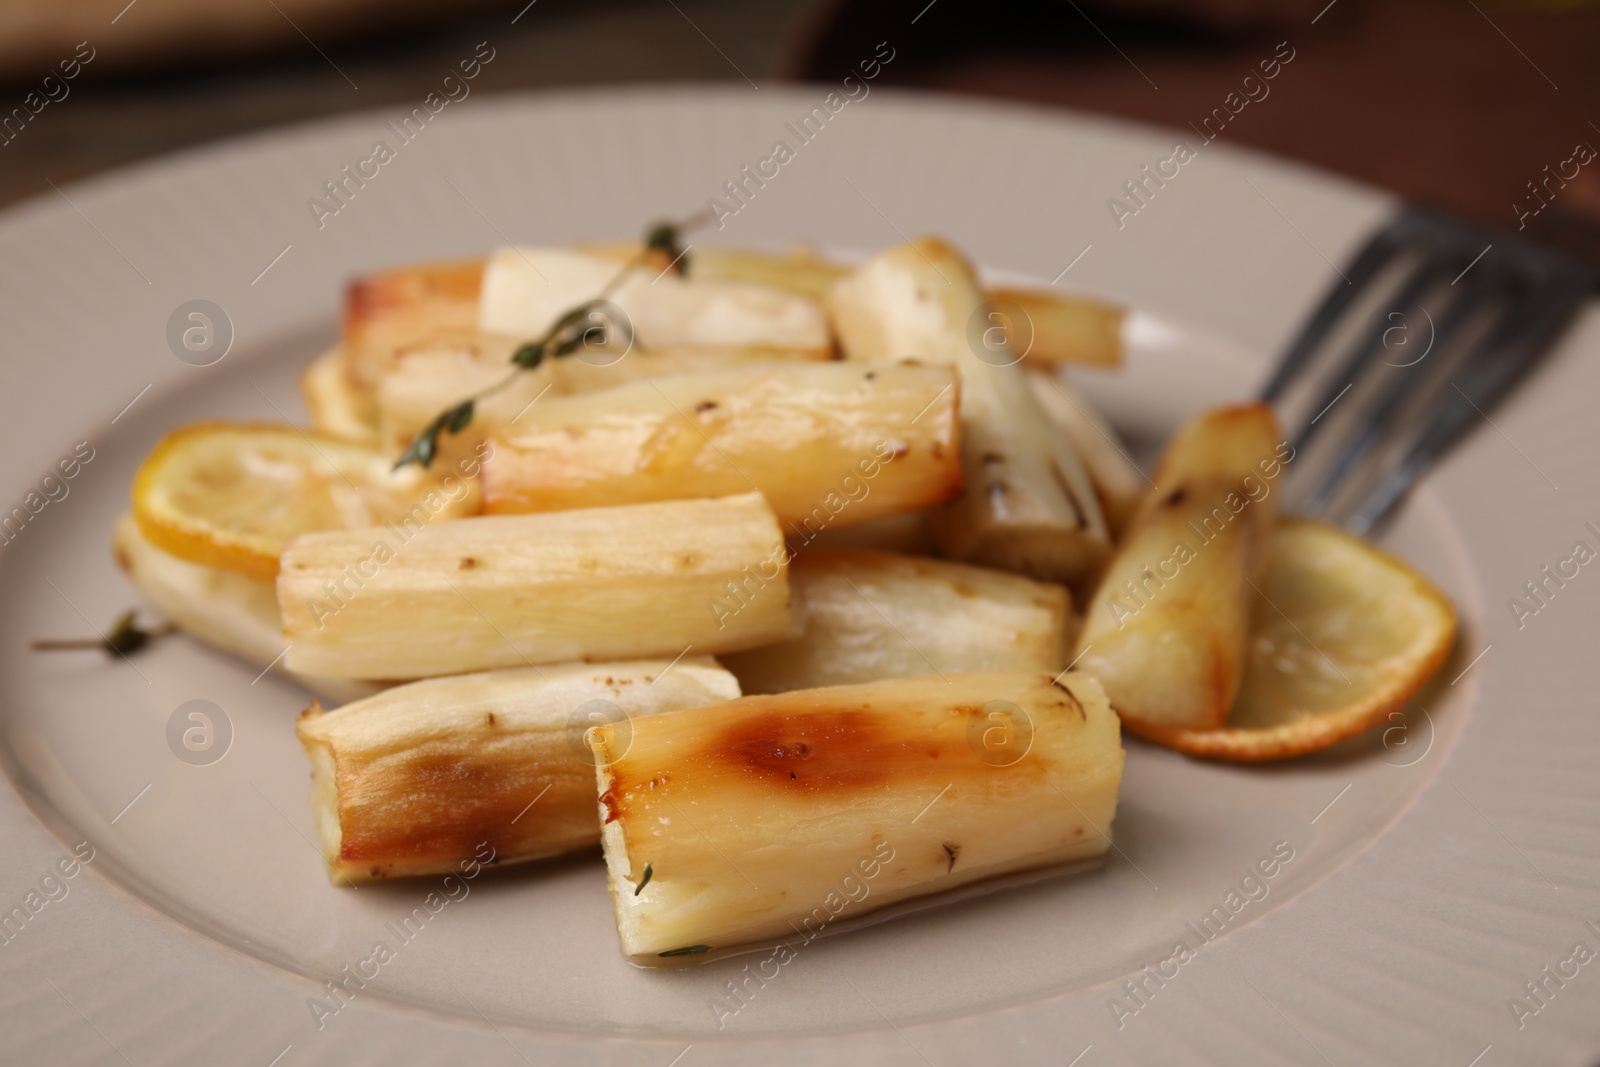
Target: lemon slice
[[1342, 634], [230, 495]]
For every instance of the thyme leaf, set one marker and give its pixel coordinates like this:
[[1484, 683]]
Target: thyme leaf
[[663, 237], [644, 881], [459, 416], [426, 444], [529, 355], [690, 950]]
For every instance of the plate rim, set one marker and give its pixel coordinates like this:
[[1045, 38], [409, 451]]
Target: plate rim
[[39, 210]]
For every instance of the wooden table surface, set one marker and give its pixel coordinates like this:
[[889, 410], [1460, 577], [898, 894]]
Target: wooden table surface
[[1457, 103]]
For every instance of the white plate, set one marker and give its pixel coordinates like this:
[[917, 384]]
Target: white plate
[[1436, 867]]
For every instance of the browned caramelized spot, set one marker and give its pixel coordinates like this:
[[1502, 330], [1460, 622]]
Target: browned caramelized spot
[[610, 801], [952, 851], [823, 751], [489, 718], [938, 450], [871, 374], [993, 457], [1175, 497], [467, 563], [690, 560], [705, 406], [453, 804], [1075, 702]]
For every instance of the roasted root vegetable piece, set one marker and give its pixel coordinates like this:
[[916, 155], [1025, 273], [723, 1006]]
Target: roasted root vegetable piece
[[1060, 329], [419, 381], [391, 309], [426, 775], [1028, 504], [580, 375], [338, 406], [415, 305], [867, 616], [645, 580], [220, 608], [1119, 485], [422, 380], [736, 822], [525, 290], [883, 438], [1166, 629], [1055, 328], [797, 270]]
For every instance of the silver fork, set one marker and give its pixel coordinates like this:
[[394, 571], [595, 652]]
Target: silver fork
[[1425, 329]]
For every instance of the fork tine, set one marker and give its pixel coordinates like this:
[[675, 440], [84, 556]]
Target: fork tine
[[1410, 388], [1524, 331], [1368, 264], [1495, 326], [1428, 272]]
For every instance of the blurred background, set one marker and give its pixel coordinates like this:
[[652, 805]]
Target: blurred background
[[1483, 107]]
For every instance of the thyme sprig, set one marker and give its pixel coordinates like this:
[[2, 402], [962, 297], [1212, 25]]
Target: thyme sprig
[[571, 331], [125, 636]]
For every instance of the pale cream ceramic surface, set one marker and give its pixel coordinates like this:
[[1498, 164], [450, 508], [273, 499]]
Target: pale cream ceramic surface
[[1458, 860]]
